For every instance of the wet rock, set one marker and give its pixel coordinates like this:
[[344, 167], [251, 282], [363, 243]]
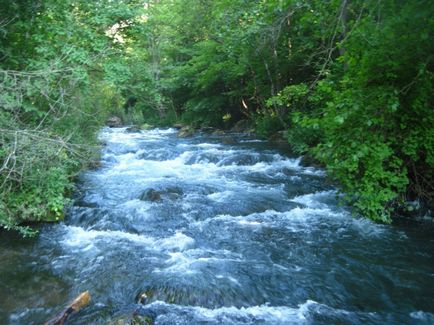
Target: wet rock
[[144, 297], [219, 132], [229, 141], [133, 129], [173, 193], [94, 164], [150, 195], [178, 294], [414, 209], [146, 126], [178, 126], [242, 126], [185, 132], [132, 320], [114, 121], [138, 128], [207, 129]]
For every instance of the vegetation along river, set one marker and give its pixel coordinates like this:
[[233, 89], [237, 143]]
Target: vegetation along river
[[215, 230]]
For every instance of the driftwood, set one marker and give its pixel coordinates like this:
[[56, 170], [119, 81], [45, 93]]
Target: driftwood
[[78, 303]]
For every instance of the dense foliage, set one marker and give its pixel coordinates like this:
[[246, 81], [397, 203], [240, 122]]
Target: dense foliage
[[350, 82], [53, 96]]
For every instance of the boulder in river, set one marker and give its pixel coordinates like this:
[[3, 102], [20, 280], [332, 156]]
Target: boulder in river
[[173, 193], [170, 193], [133, 128], [132, 320], [114, 121], [178, 126], [150, 195], [186, 131], [242, 126], [219, 132], [207, 129], [229, 141]]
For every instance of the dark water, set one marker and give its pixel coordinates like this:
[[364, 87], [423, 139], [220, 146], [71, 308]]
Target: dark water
[[242, 235]]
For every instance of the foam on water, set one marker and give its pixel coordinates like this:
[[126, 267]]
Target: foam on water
[[179, 241], [229, 315], [248, 233], [79, 237], [314, 200]]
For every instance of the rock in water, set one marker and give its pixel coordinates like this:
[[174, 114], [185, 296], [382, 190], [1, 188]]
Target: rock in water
[[133, 128], [185, 132], [242, 126], [150, 195]]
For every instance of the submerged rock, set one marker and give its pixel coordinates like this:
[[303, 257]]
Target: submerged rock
[[229, 141], [207, 129], [138, 128], [132, 320], [133, 128], [178, 126], [171, 193], [185, 132], [150, 195], [219, 132]]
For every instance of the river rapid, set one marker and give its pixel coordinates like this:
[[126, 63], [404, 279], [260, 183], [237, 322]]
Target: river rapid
[[215, 230]]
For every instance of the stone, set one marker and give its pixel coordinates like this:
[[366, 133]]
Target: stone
[[229, 141], [185, 132], [133, 128], [242, 126], [173, 193], [207, 129], [114, 121], [219, 132], [150, 195], [177, 126], [132, 320]]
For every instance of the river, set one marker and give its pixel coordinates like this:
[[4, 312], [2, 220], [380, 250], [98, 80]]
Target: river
[[215, 230]]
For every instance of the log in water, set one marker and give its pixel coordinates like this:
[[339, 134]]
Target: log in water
[[213, 231]]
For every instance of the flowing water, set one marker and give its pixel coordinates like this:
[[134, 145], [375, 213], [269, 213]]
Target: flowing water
[[215, 230]]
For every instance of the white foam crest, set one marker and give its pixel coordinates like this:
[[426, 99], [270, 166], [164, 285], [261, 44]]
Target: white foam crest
[[308, 213], [179, 241], [249, 223], [235, 315], [423, 316], [200, 145], [119, 135], [209, 145], [128, 164], [160, 131], [312, 200], [251, 141], [230, 278], [290, 218], [190, 261], [368, 228], [278, 162], [221, 196], [81, 238], [86, 240]]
